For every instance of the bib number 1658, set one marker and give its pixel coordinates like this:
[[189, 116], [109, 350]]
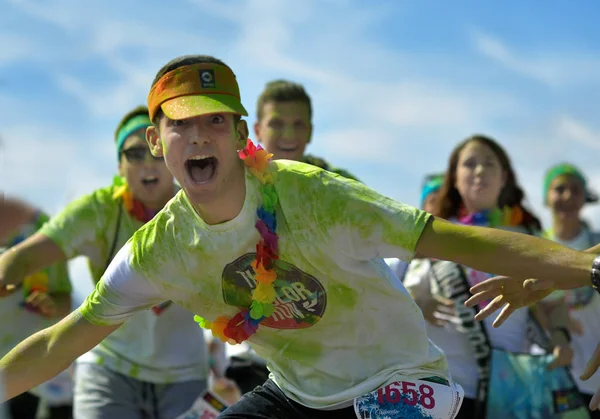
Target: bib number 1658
[[408, 393]]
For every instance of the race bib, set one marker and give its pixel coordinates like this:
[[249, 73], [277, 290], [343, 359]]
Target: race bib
[[207, 406], [410, 399]]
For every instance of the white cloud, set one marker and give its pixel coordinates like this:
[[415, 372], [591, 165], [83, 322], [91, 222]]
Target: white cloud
[[50, 166], [574, 130], [556, 68], [15, 48]]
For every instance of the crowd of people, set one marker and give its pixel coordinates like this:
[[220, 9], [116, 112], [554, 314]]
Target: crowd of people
[[347, 303]]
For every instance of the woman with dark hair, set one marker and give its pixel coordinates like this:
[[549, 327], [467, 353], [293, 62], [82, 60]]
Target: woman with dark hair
[[480, 188]]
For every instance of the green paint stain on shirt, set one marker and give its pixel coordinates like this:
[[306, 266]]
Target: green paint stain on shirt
[[345, 296]]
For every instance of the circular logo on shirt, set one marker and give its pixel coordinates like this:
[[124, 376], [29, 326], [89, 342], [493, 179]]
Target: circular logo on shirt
[[300, 302]]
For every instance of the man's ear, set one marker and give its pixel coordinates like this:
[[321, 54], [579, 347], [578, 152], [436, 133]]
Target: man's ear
[[154, 142], [310, 133], [242, 134], [256, 127]]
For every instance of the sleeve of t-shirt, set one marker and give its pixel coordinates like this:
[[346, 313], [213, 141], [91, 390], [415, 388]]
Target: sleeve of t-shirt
[[79, 228], [58, 274], [358, 220], [120, 293]]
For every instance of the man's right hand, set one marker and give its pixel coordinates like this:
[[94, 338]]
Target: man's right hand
[[436, 309]]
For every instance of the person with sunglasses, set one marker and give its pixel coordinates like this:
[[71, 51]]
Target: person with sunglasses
[[157, 363]]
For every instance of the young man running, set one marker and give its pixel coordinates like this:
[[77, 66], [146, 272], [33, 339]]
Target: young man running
[[289, 257]]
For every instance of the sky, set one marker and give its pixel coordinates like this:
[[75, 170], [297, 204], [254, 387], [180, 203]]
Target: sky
[[395, 84]]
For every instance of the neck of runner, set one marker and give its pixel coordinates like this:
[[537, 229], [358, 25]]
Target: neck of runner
[[566, 229]]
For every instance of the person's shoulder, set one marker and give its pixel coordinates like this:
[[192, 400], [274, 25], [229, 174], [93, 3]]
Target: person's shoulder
[[291, 169], [323, 164], [104, 195], [291, 174]]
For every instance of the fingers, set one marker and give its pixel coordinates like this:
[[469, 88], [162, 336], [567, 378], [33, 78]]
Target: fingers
[[445, 310], [443, 301], [495, 283], [504, 315], [492, 307], [433, 320], [444, 306], [7, 290], [42, 302], [563, 356], [483, 296], [534, 284], [595, 402], [592, 365], [554, 364]]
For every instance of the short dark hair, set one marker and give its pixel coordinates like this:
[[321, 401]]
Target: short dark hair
[[181, 62], [140, 110], [282, 91]]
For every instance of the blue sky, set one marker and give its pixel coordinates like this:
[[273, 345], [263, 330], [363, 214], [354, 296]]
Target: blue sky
[[395, 84]]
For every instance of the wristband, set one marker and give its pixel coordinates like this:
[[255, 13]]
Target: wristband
[[595, 274]]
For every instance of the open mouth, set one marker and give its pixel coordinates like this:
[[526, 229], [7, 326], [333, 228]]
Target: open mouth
[[287, 148], [150, 180], [202, 168]]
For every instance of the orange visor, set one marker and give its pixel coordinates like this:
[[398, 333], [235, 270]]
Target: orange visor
[[194, 90]]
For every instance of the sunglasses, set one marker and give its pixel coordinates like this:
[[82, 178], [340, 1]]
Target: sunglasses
[[138, 154]]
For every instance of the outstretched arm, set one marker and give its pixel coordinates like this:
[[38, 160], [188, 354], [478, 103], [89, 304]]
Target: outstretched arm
[[505, 253], [48, 352]]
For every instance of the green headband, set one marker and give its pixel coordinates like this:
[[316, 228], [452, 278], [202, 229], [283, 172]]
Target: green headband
[[131, 126], [570, 170]]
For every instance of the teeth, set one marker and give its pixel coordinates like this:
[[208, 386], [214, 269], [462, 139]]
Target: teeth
[[151, 178], [200, 157]]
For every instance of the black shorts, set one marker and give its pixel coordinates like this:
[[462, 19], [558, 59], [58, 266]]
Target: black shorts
[[269, 402]]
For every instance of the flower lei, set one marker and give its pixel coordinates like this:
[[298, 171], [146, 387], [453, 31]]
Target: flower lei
[[244, 324], [507, 216], [134, 207]]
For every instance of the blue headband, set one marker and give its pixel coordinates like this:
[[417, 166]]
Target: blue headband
[[131, 126], [430, 186]]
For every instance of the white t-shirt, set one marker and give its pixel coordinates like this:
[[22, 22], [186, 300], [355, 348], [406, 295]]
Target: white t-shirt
[[342, 325], [398, 267], [584, 304], [455, 345], [159, 347]]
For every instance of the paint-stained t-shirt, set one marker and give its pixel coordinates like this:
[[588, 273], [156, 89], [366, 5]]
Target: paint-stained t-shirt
[[343, 323], [159, 348]]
